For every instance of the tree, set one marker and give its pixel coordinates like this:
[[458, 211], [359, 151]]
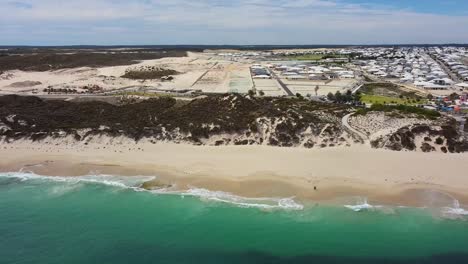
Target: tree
[[330, 96], [261, 93], [338, 97], [251, 93], [439, 141], [430, 97], [348, 96], [357, 96], [298, 95]]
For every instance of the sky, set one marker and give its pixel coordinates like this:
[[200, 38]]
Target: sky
[[242, 22]]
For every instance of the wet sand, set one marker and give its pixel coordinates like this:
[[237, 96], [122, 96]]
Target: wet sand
[[396, 178]]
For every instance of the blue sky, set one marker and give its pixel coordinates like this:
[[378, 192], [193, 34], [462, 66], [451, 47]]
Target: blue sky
[[448, 7], [112, 22]]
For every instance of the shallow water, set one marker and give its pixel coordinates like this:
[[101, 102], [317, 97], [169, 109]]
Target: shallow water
[[104, 219]]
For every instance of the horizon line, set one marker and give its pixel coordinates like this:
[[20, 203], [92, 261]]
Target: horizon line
[[235, 45]]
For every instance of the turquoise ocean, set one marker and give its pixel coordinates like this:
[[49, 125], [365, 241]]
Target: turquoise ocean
[[107, 219]]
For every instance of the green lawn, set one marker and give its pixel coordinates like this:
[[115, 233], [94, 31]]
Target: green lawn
[[310, 57], [377, 99], [313, 57], [134, 93]]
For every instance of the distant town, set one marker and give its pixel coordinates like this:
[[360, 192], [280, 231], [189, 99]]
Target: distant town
[[413, 83]]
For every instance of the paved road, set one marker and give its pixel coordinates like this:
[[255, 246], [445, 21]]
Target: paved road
[[357, 88], [453, 76], [281, 83], [345, 122]]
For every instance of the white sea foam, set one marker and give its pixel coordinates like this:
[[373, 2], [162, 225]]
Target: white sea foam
[[362, 206], [60, 190], [134, 183], [224, 197], [456, 210], [110, 180]]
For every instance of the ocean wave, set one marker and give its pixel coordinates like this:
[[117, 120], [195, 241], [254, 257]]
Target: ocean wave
[[456, 210], [224, 197], [363, 206], [135, 182], [109, 180]]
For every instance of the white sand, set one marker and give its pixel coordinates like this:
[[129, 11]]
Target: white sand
[[254, 170]]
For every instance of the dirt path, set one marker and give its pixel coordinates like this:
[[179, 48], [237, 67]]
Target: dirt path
[[345, 122]]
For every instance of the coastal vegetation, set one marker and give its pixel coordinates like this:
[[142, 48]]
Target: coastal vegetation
[[148, 73], [248, 120], [347, 97], [447, 139], [46, 61], [229, 119]]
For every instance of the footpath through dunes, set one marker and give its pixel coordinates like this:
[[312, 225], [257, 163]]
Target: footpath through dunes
[[361, 136]]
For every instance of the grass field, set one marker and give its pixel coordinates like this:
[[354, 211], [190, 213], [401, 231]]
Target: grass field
[[408, 109], [306, 57], [313, 57], [143, 94], [378, 99]]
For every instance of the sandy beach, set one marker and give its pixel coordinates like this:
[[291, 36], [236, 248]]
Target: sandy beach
[[254, 171]]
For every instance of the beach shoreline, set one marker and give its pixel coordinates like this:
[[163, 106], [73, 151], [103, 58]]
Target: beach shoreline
[[317, 175]]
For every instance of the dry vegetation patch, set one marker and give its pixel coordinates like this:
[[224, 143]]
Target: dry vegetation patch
[[46, 61], [149, 73]]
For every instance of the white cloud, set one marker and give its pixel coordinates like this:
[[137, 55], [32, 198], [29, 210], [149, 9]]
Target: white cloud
[[223, 22]]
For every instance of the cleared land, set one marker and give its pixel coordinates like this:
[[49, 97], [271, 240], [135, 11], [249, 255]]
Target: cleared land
[[225, 77], [109, 79], [269, 86]]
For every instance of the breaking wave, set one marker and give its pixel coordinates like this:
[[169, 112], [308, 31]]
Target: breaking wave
[[363, 205], [109, 180], [358, 204], [455, 210], [135, 182], [218, 196]]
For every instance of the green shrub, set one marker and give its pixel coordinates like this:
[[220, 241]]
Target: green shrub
[[430, 114]]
